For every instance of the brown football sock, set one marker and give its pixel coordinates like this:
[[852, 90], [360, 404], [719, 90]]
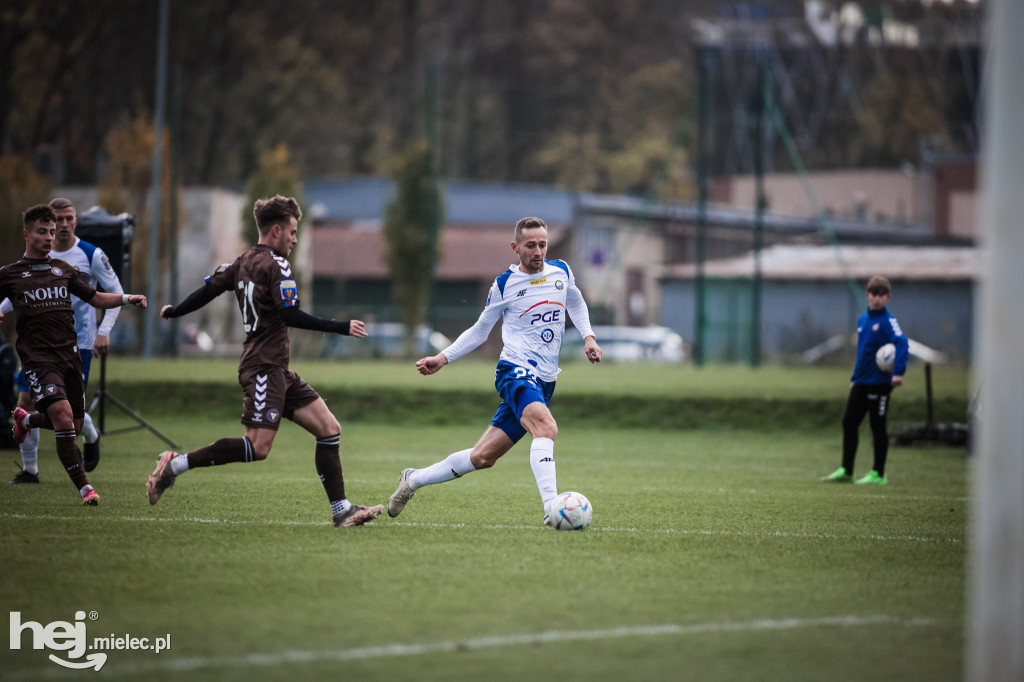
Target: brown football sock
[[328, 465], [71, 457], [223, 451]]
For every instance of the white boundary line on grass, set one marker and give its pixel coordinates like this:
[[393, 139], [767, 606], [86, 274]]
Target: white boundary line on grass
[[661, 531], [428, 648]]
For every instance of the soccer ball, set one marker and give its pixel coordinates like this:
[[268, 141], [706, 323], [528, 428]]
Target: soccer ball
[[885, 358], [571, 511]]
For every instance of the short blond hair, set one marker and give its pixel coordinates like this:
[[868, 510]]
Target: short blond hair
[[526, 223]]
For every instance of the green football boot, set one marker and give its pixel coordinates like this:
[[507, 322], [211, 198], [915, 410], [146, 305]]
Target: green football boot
[[838, 476], [871, 477]]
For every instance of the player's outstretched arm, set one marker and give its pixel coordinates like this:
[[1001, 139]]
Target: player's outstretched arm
[[103, 299], [467, 341], [429, 365], [194, 301], [300, 319]]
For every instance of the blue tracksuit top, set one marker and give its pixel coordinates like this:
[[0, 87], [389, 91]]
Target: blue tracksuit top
[[874, 330]]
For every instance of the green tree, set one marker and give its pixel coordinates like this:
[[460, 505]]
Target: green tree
[[276, 174], [20, 187], [897, 113], [125, 188], [411, 234]]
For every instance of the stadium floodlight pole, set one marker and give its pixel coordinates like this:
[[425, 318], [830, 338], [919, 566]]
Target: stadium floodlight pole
[[995, 623], [706, 63], [172, 346], [433, 125], [759, 125], [154, 192]]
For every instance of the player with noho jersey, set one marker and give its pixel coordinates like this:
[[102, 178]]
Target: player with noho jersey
[[532, 299], [94, 265], [40, 288], [268, 297]]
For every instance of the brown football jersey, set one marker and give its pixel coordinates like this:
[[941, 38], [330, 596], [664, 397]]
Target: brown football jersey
[[263, 284], [40, 290]]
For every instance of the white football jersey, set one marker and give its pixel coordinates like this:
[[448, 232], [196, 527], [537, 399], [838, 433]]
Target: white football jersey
[[533, 309], [92, 262]]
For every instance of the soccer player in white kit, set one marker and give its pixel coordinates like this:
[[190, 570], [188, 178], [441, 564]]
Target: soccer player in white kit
[[532, 298], [92, 262]]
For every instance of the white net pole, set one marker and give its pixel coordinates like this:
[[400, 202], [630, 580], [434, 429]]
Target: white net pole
[[995, 626]]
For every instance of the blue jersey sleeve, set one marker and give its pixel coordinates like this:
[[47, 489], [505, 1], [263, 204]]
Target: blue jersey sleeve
[[899, 339]]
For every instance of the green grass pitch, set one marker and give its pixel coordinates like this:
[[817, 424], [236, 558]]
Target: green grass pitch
[[715, 554]]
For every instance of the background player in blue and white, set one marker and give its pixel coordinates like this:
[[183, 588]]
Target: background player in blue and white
[[93, 338], [532, 299], [870, 387]]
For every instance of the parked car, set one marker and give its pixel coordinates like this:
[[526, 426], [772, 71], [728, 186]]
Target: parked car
[[384, 340], [630, 344]]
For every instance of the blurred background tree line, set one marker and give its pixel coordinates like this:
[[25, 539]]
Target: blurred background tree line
[[585, 94], [588, 95]]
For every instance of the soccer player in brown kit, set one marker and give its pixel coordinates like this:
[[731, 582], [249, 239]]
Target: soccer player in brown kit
[[40, 288], [268, 297]]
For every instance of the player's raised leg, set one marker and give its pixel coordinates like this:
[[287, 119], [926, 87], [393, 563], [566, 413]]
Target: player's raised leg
[[451, 467], [492, 445], [170, 465]]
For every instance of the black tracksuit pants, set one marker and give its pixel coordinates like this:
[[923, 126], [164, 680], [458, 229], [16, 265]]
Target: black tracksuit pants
[[872, 400]]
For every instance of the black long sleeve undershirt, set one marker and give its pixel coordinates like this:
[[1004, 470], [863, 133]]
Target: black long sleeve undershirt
[[299, 319], [194, 301], [292, 317]]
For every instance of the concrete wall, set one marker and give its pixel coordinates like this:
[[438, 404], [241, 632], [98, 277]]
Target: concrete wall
[[872, 195], [612, 261], [210, 235], [956, 187]]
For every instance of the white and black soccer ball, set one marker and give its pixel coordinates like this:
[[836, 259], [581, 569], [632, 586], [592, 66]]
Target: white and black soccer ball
[[885, 358], [571, 511]]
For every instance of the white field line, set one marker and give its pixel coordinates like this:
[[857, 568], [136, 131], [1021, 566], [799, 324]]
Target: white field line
[[866, 495], [657, 531], [167, 663]]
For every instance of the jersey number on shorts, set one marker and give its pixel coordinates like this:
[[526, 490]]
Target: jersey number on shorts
[[528, 374], [247, 307]]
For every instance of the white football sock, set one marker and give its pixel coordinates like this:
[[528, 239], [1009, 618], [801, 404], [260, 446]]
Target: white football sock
[[454, 465], [89, 431], [179, 464], [542, 461], [30, 452]]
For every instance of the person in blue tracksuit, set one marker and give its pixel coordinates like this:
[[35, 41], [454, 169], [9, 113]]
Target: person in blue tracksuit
[[871, 387]]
